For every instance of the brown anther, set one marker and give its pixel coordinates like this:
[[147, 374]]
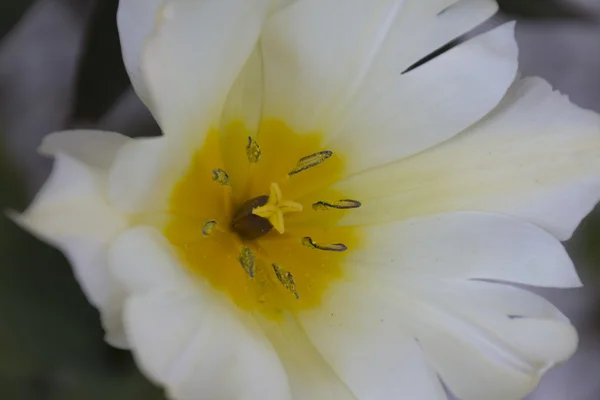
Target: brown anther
[[246, 259], [248, 225], [344, 204], [286, 279], [308, 242], [311, 161], [209, 227], [220, 177], [253, 150]]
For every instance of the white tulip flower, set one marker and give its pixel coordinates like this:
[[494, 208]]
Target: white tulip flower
[[318, 220]]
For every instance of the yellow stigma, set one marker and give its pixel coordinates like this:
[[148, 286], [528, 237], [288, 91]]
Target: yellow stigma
[[275, 208], [227, 217]]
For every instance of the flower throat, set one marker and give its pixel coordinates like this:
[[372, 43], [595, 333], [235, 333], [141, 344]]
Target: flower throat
[[246, 220]]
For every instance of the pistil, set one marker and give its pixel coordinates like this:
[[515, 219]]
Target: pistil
[[275, 207]]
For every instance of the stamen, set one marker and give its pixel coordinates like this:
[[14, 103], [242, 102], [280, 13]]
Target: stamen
[[311, 161], [344, 204], [253, 150], [220, 176], [308, 242], [246, 258], [286, 279], [209, 227]]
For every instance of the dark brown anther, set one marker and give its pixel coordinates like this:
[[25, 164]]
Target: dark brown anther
[[286, 279], [345, 204], [247, 225], [308, 242], [311, 161]]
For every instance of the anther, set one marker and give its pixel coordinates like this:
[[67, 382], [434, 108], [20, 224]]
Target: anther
[[246, 258], [253, 151], [286, 279], [209, 227], [220, 176], [308, 242], [344, 204], [311, 161]]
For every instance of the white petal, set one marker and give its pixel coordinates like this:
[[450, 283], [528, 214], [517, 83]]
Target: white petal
[[426, 27], [243, 106], [467, 245], [97, 149], [309, 374], [158, 268], [194, 58], [181, 65], [332, 65], [482, 342], [145, 171], [306, 44], [198, 349], [534, 157], [457, 19], [185, 336], [364, 341], [137, 19], [112, 320], [401, 116], [485, 340], [71, 213], [244, 101]]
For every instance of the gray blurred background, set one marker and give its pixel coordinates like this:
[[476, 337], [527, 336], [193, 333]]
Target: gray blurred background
[[60, 67]]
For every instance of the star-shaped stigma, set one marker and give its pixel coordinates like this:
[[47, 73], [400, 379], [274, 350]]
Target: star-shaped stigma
[[275, 208]]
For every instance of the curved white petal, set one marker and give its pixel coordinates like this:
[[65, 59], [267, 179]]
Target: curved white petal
[[111, 318], [309, 374], [189, 74], [142, 261], [244, 100], [97, 149], [485, 340], [137, 20], [336, 67], [71, 213], [192, 61], [185, 336], [305, 44], [365, 342], [457, 19], [534, 157], [405, 114], [144, 173], [467, 245], [199, 350]]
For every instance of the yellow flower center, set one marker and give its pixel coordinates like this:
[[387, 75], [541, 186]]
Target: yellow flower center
[[245, 218]]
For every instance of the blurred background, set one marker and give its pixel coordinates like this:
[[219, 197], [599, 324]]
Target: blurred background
[[60, 67]]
